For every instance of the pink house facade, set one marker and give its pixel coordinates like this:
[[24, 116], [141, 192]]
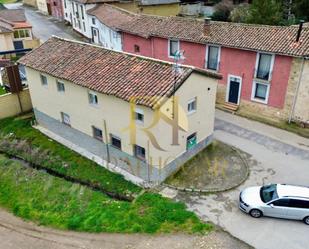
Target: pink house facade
[[255, 81], [262, 67], [55, 8]]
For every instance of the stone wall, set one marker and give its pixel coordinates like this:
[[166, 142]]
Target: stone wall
[[301, 112]]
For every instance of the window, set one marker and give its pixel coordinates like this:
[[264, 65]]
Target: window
[[260, 92], [84, 26], [173, 47], [264, 66], [116, 142], [82, 11], [136, 49], [192, 106], [191, 141], [55, 4], [93, 98], [294, 203], [43, 80], [65, 118], [97, 133], [60, 86], [281, 203], [73, 6], [213, 57], [65, 3], [139, 152], [21, 33], [139, 116], [93, 21]]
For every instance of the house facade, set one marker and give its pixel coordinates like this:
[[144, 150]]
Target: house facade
[[55, 8], [75, 13], [104, 21], [259, 64], [6, 37], [132, 111], [23, 37]]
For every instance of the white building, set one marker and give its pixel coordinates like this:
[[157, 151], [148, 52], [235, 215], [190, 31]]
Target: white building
[[105, 21], [75, 12]]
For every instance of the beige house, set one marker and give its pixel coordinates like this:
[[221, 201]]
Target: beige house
[[6, 37], [137, 113]]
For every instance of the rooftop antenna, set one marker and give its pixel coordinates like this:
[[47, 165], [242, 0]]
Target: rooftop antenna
[[178, 58]]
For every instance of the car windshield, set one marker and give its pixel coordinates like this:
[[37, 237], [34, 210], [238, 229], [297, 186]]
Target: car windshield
[[268, 193]]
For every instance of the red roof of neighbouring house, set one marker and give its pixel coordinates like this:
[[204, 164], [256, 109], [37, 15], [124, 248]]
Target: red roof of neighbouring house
[[274, 39], [111, 16], [13, 15], [106, 71]]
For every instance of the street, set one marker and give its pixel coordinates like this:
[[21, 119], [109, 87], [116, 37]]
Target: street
[[45, 26], [276, 156], [271, 161]]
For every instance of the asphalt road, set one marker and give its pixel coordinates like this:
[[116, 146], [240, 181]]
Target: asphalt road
[[45, 26], [271, 161]]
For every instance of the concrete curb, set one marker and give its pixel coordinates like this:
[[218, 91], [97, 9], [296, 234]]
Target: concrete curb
[[216, 190]]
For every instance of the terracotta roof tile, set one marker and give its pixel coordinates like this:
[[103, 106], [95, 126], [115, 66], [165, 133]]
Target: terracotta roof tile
[[274, 39], [114, 73], [13, 15], [111, 16]]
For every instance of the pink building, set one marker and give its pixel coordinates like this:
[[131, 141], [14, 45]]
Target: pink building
[[55, 8], [260, 64]]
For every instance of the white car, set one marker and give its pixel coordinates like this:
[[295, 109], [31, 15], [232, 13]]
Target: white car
[[276, 200]]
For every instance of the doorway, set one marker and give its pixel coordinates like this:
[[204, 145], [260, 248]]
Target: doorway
[[233, 89]]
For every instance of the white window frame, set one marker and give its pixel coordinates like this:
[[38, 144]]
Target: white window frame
[[58, 82], [254, 89], [134, 152], [228, 87], [139, 111], [95, 94], [219, 56], [169, 46], [272, 62], [190, 102]]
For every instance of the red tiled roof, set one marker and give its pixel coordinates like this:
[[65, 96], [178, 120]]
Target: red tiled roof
[[274, 39], [97, 1], [106, 71], [111, 16], [13, 15]]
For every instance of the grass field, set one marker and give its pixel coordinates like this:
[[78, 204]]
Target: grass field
[[64, 160], [52, 201]]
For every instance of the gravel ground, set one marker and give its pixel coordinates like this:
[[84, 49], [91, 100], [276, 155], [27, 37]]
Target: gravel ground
[[17, 234]]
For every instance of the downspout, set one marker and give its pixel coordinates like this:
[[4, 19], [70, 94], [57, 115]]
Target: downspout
[[297, 90]]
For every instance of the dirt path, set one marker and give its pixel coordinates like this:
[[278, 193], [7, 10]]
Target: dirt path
[[17, 234]]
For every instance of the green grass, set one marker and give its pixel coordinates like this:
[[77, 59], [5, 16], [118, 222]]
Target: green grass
[[52, 201], [76, 165], [2, 90]]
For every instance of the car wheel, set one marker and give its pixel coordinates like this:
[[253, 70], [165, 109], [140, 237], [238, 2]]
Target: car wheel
[[306, 220], [255, 213]]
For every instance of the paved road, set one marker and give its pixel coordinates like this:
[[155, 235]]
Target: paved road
[[44, 27], [271, 161]]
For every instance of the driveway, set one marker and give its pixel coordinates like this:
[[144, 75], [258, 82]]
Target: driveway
[[46, 26], [279, 157]]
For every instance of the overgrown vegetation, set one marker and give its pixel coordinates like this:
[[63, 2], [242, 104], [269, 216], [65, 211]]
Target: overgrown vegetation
[[48, 200], [39, 149], [2, 90], [268, 12]]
